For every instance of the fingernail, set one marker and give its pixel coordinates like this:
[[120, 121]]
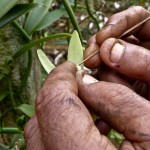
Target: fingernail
[[117, 52], [87, 79]]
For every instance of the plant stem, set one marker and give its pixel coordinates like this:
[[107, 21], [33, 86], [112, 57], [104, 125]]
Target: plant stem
[[68, 28], [24, 33], [27, 72], [82, 21], [11, 92], [27, 46], [29, 65], [91, 14], [83, 7], [5, 112], [10, 130], [75, 5], [72, 17]]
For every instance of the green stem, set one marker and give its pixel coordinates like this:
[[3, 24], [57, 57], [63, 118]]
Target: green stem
[[80, 7], [11, 92], [10, 131], [91, 14], [75, 5], [29, 65], [82, 21], [27, 72], [28, 46], [72, 17], [5, 112], [24, 33], [83, 7], [68, 28], [68, 25]]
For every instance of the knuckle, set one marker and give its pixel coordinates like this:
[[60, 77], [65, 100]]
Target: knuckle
[[45, 97], [51, 98], [91, 40], [138, 8], [119, 92], [49, 92], [115, 19], [112, 18], [122, 92]]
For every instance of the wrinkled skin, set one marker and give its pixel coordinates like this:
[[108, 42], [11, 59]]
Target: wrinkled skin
[[62, 120]]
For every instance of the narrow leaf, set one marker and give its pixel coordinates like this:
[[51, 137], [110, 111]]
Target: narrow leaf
[[27, 109], [16, 12], [15, 138], [75, 50], [46, 63], [51, 17], [36, 42], [6, 5], [35, 16], [3, 95], [4, 147]]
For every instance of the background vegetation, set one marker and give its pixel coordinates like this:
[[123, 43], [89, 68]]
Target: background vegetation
[[25, 26]]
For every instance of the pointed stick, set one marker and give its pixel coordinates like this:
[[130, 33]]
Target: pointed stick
[[125, 33]]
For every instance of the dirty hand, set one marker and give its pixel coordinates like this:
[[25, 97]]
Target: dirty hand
[[122, 62], [62, 121]]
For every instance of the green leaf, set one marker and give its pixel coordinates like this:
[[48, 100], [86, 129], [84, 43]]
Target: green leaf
[[75, 50], [15, 138], [27, 109], [36, 16], [3, 94], [16, 12], [51, 17], [28, 46], [6, 5], [4, 147], [46, 63]]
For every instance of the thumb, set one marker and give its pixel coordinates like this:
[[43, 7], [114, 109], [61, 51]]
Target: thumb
[[118, 106], [64, 121]]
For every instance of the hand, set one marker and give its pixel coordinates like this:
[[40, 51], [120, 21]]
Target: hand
[[115, 27], [62, 122], [125, 62]]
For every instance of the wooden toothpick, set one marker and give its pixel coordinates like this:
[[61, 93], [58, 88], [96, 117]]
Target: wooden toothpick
[[124, 34]]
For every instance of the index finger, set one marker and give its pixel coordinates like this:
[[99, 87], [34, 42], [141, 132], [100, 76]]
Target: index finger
[[121, 22]]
